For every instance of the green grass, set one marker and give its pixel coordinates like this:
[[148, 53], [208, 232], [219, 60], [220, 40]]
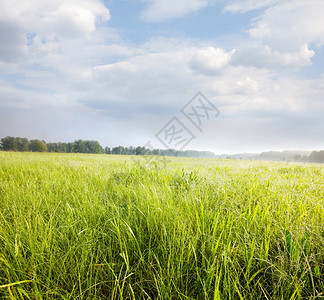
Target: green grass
[[101, 227]]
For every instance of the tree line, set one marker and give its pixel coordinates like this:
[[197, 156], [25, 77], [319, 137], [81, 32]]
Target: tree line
[[10, 143], [316, 157], [86, 146], [288, 156]]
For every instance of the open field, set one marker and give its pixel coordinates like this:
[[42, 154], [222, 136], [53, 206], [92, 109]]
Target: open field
[[100, 227]]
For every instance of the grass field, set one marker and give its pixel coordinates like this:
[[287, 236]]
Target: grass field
[[101, 227]]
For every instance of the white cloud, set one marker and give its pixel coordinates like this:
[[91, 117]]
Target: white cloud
[[243, 6], [149, 77], [168, 79], [263, 56], [285, 34], [70, 21], [32, 13], [288, 25], [211, 60], [160, 10], [49, 21]]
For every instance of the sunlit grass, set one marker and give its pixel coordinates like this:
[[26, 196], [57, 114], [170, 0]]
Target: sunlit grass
[[101, 227]]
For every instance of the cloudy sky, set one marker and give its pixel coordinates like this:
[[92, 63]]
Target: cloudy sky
[[117, 71]]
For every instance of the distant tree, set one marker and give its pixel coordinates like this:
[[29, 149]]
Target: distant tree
[[131, 150], [156, 152], [140, 150], [117, 150], [61, 147], [21, 144], [37, 146], [79, 146], [297, 157], [146, 151], [70, 148], [52, 147], [90, 146], [57, 147], [317, 157], [9, 143], [93, 147]]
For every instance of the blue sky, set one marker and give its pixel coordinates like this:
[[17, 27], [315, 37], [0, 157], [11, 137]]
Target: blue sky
[[118, 71]]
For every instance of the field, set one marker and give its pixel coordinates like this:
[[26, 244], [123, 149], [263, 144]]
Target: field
[[102, 227]]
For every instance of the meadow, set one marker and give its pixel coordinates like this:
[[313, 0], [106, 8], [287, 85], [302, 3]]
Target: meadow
[[104, 227]]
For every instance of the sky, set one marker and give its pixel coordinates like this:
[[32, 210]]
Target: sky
[[121, 71]]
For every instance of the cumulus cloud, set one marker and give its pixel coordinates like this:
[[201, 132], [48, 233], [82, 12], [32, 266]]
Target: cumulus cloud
[[50, 21], [262, 56], [285, 34], [160, 10], [70, 21], [288, 25], [34, 14], [211, 60], [168, 79]]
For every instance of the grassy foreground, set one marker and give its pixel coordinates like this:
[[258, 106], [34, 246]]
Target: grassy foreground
[[101, 227]]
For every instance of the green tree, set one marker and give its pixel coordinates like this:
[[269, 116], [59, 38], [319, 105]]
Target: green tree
[[140, 150], [79, 146], [23, 144], [9, 143], [156, 152], [131, 150], [70, 148], [61, 147], [52, 147], [93, 147], [37, 146], [117, 150]]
